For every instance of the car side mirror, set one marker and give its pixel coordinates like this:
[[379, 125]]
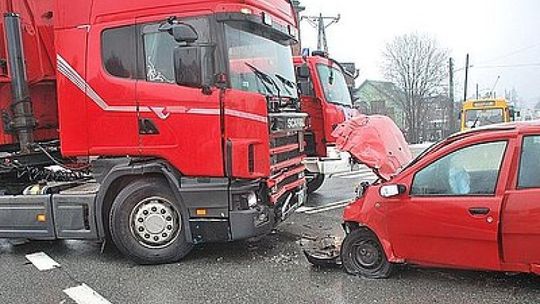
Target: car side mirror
[[194, 66], [392, 190]]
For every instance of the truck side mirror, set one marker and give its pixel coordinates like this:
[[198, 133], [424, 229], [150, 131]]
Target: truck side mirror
[[184, 33], [305, 87], [302, 71], [194, 66], [392, 190]]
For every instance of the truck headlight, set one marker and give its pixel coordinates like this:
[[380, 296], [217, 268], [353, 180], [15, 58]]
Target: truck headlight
[[252, 200]]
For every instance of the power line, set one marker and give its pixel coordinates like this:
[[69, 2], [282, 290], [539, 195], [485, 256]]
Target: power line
[[512, 53], [520, 65]]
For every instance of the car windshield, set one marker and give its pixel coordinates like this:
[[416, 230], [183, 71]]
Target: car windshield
[[259, 64], [481, 117], [427, 150], [334, 85]]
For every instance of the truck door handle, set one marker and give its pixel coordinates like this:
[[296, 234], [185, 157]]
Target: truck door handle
[[147, 127], [479, 210]]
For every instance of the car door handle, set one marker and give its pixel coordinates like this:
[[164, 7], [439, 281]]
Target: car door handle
[[479, 210]]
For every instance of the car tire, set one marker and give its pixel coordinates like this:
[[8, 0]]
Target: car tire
[[314, 181], [146, 223], [362, 255]]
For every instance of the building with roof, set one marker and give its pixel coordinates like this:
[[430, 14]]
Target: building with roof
[[381, 97]]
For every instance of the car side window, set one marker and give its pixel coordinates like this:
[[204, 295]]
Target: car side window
[[472, 170], [529, 166]]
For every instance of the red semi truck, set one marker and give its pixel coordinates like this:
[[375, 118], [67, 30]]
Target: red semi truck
[[161, 124], [326, 98]]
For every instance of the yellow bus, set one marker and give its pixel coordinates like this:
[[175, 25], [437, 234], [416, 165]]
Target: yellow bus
[[481, 112]]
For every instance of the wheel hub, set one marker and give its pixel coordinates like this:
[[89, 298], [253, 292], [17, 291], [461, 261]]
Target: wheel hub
[[155, 222], [367, 254]]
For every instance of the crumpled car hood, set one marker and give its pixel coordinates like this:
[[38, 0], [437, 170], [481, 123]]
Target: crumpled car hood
[[375, 141]]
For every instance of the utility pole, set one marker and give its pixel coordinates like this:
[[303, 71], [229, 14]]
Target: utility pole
[[321, 24], [298, 8], [466, 78], [451, 96], [477, 96]]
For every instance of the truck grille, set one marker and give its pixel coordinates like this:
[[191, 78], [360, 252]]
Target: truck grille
[[286, 156]]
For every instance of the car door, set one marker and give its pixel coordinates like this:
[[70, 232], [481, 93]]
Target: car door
[[451, 214], [520, 227]]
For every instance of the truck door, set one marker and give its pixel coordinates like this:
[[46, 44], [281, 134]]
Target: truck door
[[335, 98], [111, 78], [451, 214], [521, 213], [175, 122]]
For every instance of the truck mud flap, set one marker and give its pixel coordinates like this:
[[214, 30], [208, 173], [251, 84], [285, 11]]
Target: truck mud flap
[[28, 217], [322, 251]]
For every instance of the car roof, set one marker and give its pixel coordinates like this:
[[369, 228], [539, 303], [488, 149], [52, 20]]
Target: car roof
[[511, 128], [518, 126]]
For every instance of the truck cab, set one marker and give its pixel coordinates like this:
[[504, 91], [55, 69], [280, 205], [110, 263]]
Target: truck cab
[[173, 122], [327, 100]]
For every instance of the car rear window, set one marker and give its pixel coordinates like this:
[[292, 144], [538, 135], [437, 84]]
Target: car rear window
[[529, 167]]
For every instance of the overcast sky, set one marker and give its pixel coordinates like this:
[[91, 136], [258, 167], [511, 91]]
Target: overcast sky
[[494, 32]]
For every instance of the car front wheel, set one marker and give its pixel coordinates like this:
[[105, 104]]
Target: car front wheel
[[362, 254]]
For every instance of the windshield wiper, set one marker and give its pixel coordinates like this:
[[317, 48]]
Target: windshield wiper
[[265, 78], [475, 122], [288, 84]]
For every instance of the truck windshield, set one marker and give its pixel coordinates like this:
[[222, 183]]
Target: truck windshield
[[251, 56], [481, 117], [334, 85]]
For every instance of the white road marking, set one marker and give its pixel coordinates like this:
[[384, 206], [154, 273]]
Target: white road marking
[[83, 294], [363, 172], [323, 208], [303, 209], [328, 207], [42, 261], [369, 175], [351, 173]]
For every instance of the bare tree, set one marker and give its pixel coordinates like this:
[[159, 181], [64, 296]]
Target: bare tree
[[417, 65]]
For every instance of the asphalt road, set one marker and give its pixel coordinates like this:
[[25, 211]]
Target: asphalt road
[[272, 270]]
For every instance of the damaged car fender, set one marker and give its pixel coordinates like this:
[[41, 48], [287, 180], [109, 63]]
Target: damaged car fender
[[368, 213]]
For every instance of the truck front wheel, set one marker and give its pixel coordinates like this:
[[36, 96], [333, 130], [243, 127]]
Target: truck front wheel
[[146, 223], [314, 181]]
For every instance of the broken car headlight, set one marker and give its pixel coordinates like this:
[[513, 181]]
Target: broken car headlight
[[361, 189]]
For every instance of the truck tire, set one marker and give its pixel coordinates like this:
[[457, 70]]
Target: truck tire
[[362, 254], [146, 223], [314, 181]]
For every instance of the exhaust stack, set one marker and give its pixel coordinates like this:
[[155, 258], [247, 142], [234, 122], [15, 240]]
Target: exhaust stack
[[23, 121]]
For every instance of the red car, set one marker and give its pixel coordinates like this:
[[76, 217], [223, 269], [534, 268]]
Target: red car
[[471, 201]]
